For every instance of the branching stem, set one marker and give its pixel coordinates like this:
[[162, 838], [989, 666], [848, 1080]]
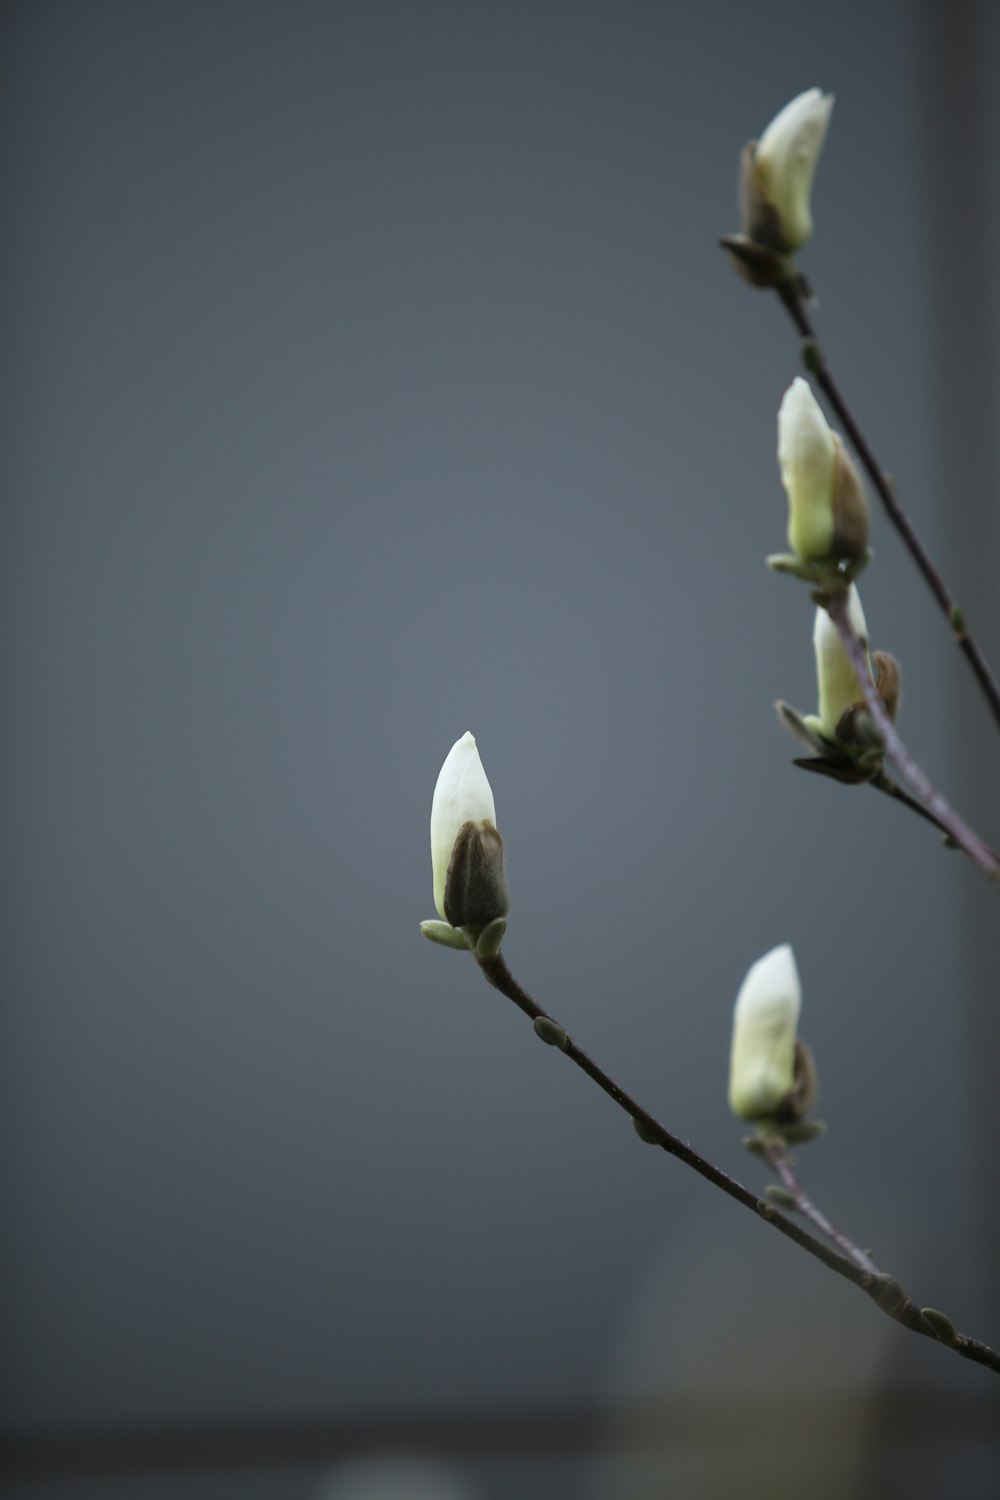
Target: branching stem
[[884, 1290], [940, 810], [780, 1163], [790, 293]]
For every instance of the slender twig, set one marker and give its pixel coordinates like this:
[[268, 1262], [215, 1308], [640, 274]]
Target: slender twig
[[896, 752], [777, 1159], [790, 294], [838, 770], [884, 1290], [883, 783]]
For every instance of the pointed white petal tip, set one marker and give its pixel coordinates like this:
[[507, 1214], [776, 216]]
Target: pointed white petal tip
[[462, 795]]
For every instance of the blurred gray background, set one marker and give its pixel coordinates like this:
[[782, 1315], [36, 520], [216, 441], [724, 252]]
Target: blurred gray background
[[371, 374]]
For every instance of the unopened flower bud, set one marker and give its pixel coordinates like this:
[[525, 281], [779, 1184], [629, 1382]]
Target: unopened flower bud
[[470, 887], [778, 170], [827, 508], [762, 1059], [837, 682]]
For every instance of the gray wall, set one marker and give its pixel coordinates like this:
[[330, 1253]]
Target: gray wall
[[371, 374]]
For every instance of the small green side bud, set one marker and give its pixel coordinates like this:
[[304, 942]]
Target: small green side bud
[[489, 940], [812, 356], [550, 1033], [754, 1145], [644, 1133], [944, 1328], [781, 1196], [445, 934], [801, 1132]]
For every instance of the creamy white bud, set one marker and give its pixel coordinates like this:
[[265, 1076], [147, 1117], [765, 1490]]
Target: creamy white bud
[[836, 680], [462, 797], [765, 1018], [807, 458], [785, 162]]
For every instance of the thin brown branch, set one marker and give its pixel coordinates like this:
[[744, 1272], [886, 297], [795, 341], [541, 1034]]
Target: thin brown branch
[[884, 1290], [883, 783]]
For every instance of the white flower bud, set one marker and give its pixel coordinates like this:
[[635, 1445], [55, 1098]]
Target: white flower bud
[[784, 164], [836, 680], [807, 458], [827, 508], [470, 888], [765, 1017]]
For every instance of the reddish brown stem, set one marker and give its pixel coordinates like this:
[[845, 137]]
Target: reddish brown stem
[[944, 815], [774, 1155]]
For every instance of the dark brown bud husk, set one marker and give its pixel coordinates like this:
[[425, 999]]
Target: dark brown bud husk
[[856, 728], [761, 222], [802, 1096], [758, 264], [828, 760], [845, 771], [851, 521], [888, 681], [475, 892]]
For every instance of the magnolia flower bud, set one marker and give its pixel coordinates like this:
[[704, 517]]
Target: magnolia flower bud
[[778, 171], [827, 508], [836, 679], [762, 1059], [470, 888]]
